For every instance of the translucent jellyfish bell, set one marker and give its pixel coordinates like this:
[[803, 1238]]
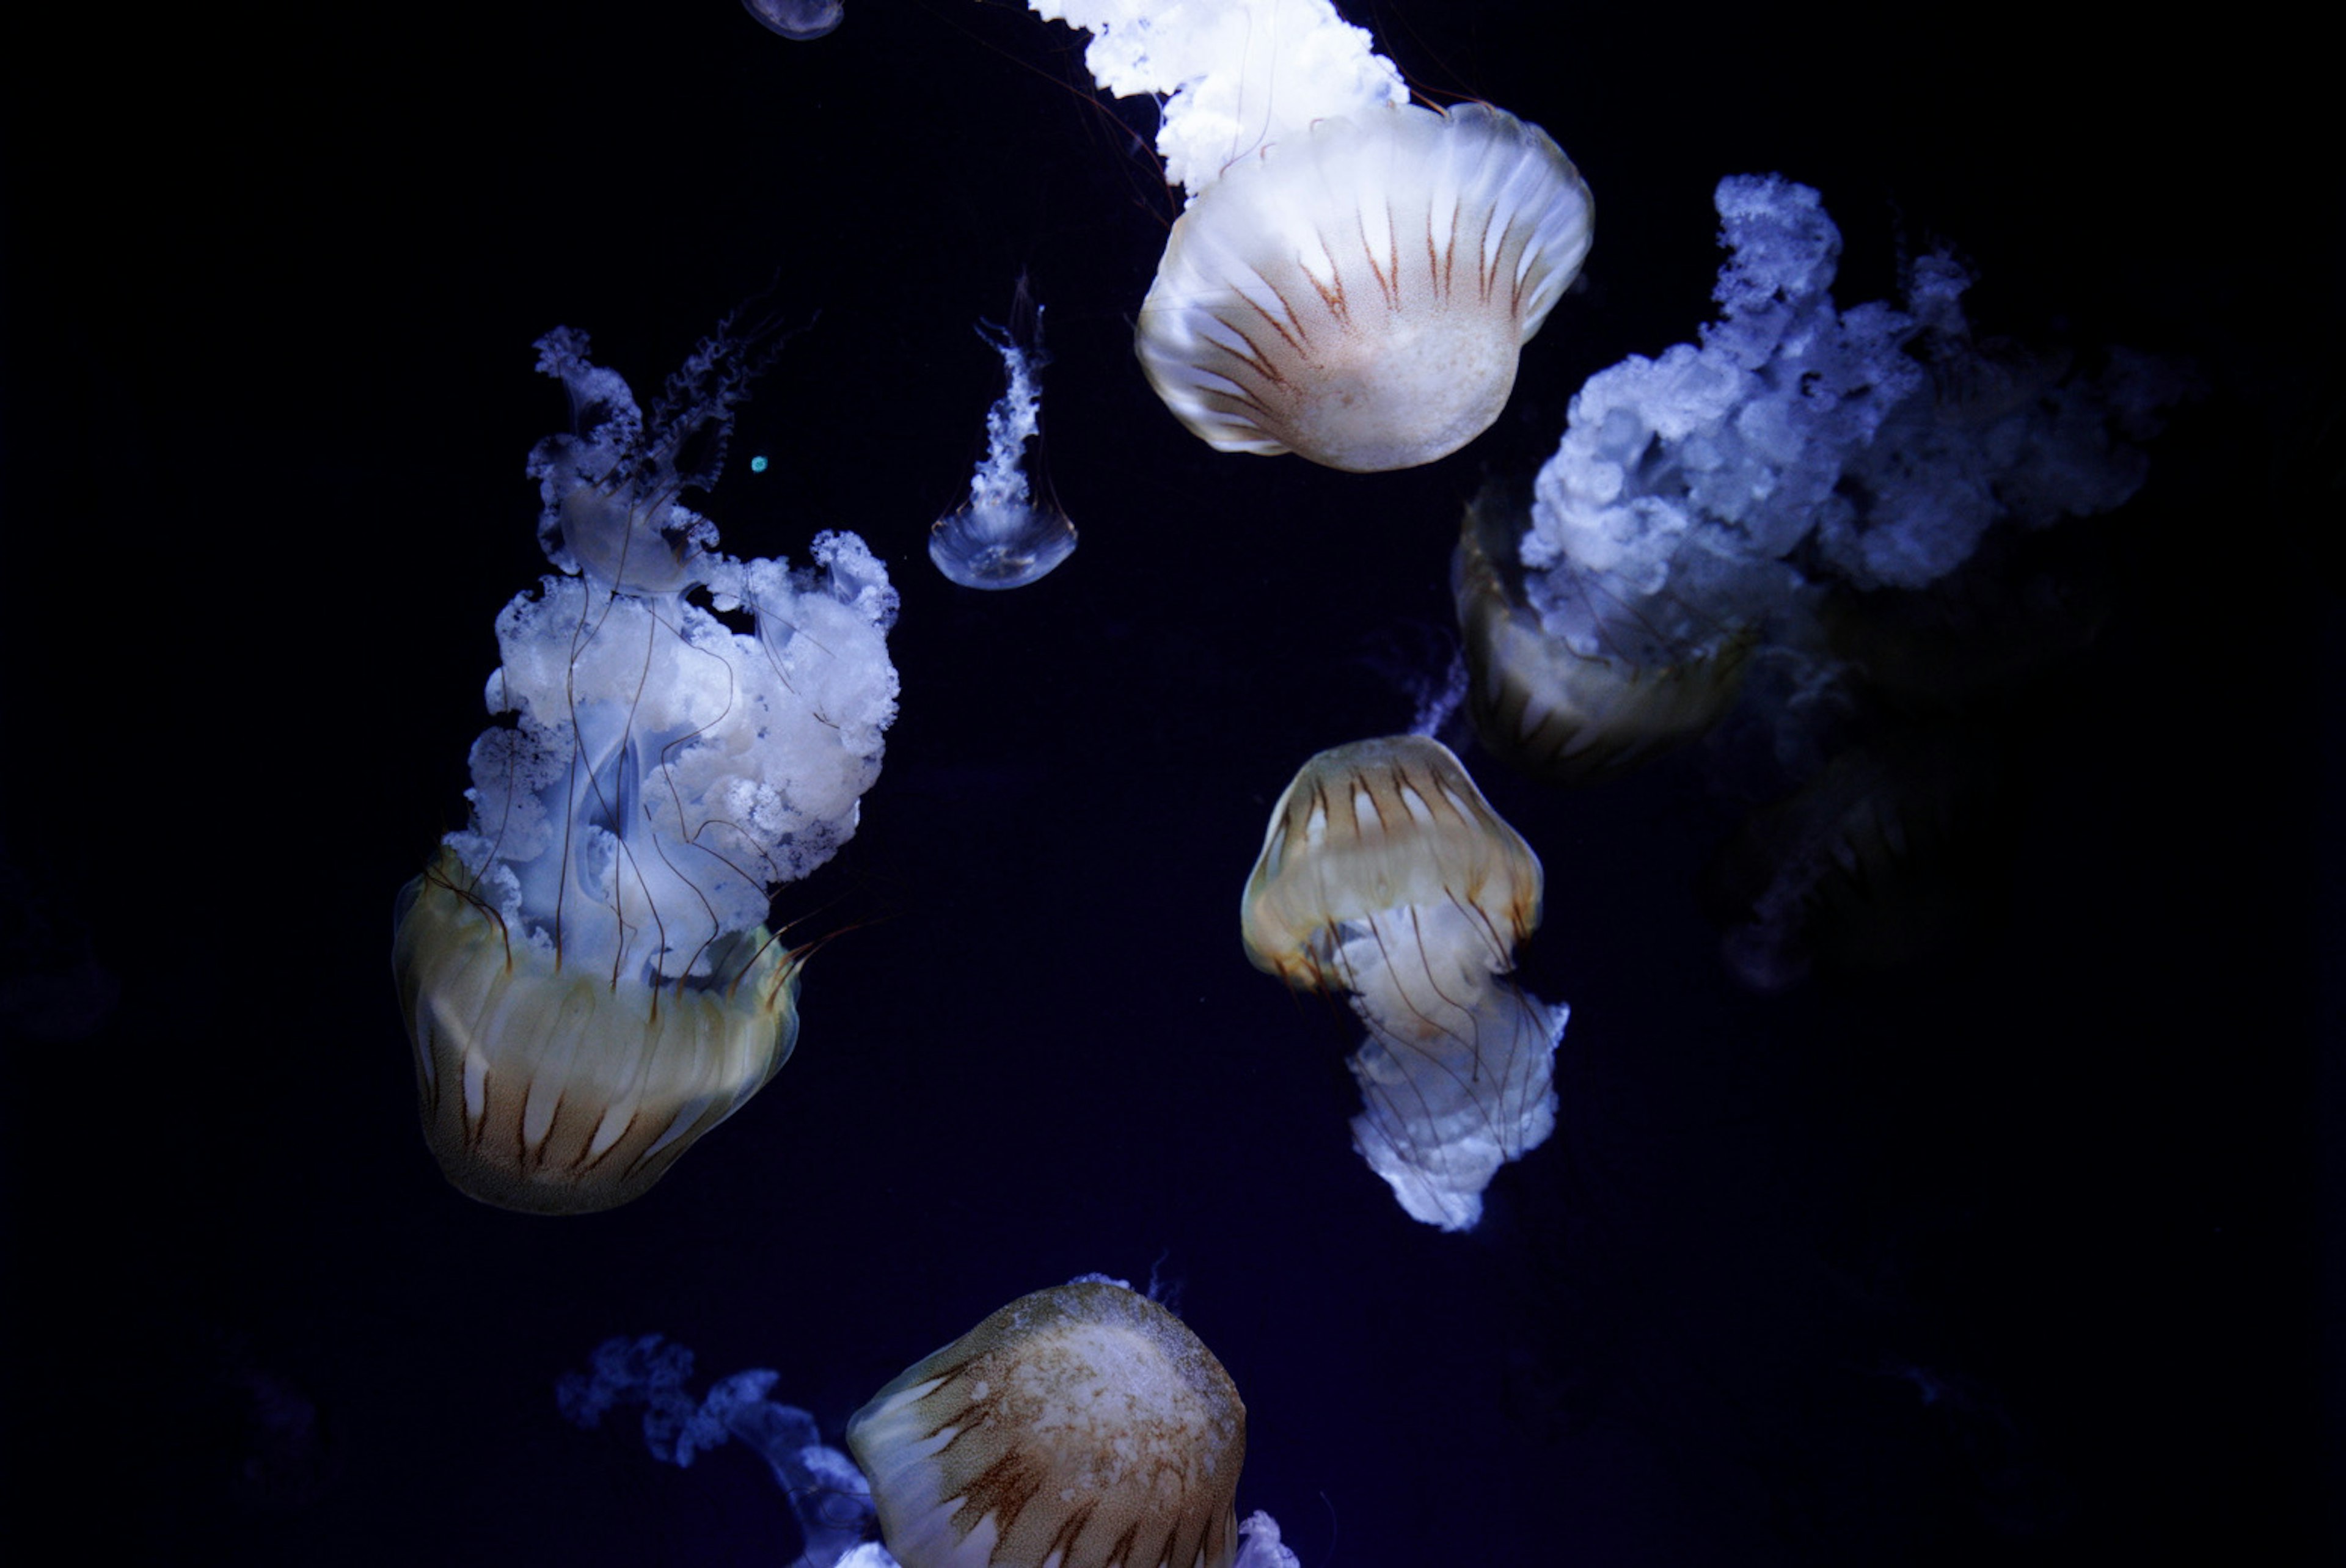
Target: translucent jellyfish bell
[[587, 980], [1386, 877], [1084, 1426], [1354, 275], [799, 19], [1009, 532]]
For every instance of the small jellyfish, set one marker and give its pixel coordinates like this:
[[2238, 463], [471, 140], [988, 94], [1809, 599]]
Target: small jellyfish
[[1354, 276], [797, 18], [1386, 877], [587, 979], [1084, 1426], [1005, 535]]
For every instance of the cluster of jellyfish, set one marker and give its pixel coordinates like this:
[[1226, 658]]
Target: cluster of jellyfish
[[587, 970]]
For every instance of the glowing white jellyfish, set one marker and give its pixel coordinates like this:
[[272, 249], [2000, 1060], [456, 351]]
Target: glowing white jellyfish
[[1083, 1426], [1386, 877], [1354, 275], [797, 18], [586, 972], [1704, 505], [1006, 536]]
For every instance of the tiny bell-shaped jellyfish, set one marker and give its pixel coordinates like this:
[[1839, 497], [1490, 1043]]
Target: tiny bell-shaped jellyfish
[[587, 980], [1006, 535], [1386, 877], [797, 18], [1354, 275]]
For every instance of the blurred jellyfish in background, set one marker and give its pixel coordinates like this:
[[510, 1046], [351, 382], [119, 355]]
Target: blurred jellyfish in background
[[587, 979], [1005, 535], [797, 18], [1385, 876], [1084, 1426], [1793, 505], [1354, 275]]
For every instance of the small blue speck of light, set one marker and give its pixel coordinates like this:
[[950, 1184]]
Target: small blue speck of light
[[758, 465]]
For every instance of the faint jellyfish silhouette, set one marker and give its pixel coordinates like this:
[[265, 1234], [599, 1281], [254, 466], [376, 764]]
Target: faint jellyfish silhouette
[[1084, 1426], [797, 18], [1559, 714], [587, 981], [1005, 535], [1709, 512], [1354, 276], [1386, 877]]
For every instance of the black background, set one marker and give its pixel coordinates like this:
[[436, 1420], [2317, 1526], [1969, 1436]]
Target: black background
[[2009, 1253]]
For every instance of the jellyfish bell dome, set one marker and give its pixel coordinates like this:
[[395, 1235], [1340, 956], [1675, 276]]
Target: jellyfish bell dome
[[1357, 294], [1374, 827], [1083, 1427], [549, 1089]]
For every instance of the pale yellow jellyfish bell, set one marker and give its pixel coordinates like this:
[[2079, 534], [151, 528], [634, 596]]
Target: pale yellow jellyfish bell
[[1080, 1426], [555, 1089], [1386, 877], [1358, 293], [1376, 831]]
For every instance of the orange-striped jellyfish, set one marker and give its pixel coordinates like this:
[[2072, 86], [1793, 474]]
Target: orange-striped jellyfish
[[1386, 877], [1354, 275], [587, 978], [1084, 1426]]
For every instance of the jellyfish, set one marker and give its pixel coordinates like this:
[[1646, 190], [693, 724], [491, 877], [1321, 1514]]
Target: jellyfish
[[1083, 1426], [1386, 877], [1004, 536], [587, 977], [1353, 276], [797, 18], [1709, 514]]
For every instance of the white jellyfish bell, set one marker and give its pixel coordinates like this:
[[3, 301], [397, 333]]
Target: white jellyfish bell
[[1354, 275], [586, 976]]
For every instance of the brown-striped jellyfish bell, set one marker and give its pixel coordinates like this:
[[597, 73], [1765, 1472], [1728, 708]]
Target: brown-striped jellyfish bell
[[1080, 1426], [588, 982], [1354, 275], [1387, 878]]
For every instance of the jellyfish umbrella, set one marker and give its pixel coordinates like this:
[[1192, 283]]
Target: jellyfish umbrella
[[1354, 275], [1386, 877], [1084, 1426]]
